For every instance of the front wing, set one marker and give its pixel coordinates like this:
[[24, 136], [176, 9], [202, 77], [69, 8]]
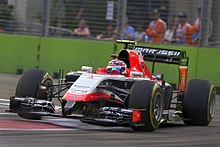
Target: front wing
[[106, 115]]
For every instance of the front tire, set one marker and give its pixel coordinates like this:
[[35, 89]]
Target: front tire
[[147, 95], [29, 86], [199, 103]]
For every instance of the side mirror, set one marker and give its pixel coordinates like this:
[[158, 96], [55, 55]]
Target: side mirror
[[87, 69], [158, 76], [114, 56], [122, 71]]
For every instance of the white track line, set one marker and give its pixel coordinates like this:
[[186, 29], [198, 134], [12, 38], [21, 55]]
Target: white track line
[[14, 129], [7, 113], [4, 100], [2, 106], [5, 103]]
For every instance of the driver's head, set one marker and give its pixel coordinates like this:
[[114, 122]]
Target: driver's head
[[116, 67]]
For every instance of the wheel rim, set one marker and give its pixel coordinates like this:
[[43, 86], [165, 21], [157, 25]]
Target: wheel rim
[[46, 94], [158, 107], [212, 105]]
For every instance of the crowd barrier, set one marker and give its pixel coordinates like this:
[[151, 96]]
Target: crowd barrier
[[20, 52]]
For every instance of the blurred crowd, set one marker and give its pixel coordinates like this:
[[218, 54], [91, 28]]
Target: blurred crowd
[[175, 30], [161, 29]]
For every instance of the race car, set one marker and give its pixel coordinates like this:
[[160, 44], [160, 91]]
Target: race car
[[124, 93]]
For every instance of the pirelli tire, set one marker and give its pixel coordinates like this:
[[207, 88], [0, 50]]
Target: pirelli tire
[[147, 95], [29, 86], [199, 103]]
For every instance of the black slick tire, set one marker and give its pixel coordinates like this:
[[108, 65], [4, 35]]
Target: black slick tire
[[199, 103], [28, 86], [147, 95]]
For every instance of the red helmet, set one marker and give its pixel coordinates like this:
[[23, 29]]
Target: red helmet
[[116, 67]]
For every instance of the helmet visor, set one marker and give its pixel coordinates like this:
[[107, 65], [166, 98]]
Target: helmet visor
[[118, 69]]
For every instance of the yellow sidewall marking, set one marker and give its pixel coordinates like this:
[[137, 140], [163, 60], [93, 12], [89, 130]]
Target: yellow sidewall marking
[[152, 119], [209, 99]]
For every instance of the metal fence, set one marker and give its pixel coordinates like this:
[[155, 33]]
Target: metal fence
[[109, 19]]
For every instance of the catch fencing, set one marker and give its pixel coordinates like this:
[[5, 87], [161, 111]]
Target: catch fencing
[[60, 18]]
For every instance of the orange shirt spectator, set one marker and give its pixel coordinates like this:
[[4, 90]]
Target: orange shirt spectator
[[195, 32], [183, 34], [156, 29]]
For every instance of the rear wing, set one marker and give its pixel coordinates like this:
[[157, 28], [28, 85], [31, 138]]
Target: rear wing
[[163, 55], [168, 56], [157, 55]]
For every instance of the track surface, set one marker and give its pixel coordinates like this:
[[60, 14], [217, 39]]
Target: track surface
[[57, 132]]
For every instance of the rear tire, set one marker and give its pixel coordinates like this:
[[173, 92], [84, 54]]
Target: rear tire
[[199, 103], [147, 95], [29, 86]]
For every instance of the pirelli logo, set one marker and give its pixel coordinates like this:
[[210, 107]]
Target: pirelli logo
[[162, 52]]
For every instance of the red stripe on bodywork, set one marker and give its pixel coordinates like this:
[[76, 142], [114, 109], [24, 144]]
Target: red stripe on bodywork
[[85, 97]]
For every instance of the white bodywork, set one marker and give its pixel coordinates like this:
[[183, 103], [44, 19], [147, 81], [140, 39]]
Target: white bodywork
[[87, 83]]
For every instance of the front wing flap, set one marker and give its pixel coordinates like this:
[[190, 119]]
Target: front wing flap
[[30, 104]]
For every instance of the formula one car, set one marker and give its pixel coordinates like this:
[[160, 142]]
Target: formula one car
[[125, 93]]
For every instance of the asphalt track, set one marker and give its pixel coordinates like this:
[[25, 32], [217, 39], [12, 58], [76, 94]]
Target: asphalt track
[[59, 132]]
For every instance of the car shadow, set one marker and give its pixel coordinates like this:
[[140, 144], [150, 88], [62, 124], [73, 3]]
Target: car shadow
[[169, 125]]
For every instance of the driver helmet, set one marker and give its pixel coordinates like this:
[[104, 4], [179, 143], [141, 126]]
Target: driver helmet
[[116, 67]]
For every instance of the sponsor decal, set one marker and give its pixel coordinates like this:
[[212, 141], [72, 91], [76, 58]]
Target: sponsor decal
[[182, 77], [146, 50], [79, 89], [82, 86]]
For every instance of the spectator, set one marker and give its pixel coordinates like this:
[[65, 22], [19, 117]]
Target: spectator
[[183, 32], [196, 28], [129, 30], [7, 17], [164, 10], [156, 28], [169, 34], [1, 30], [82, 30], [139, 34], [109, 34]]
